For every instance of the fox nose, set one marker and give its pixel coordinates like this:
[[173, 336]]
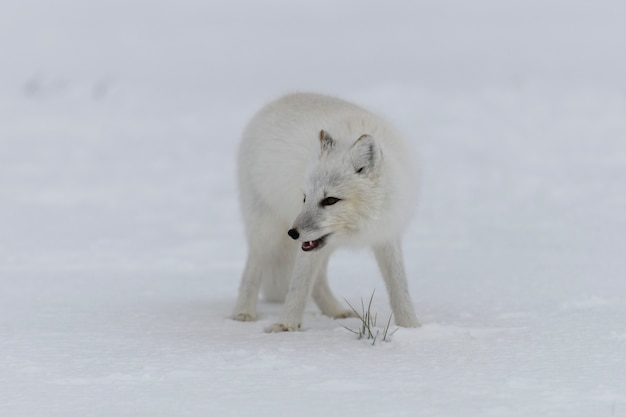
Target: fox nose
[[293, 233]]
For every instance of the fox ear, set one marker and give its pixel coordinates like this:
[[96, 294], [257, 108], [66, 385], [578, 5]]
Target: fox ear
[[326, 142], [365, 155]]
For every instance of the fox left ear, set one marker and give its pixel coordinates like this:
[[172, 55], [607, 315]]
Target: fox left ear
[[326, 142], [365, 155]]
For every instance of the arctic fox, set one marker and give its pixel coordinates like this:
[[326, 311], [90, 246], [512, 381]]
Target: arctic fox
[[316, 173]]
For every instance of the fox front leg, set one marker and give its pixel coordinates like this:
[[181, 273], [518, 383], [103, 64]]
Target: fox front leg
[[304, 273], [391, 264]]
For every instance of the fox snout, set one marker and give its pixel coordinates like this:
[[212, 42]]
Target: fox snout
[[309, 245]]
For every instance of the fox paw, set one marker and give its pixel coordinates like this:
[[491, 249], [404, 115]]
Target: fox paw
[[280, 327], [244, 317], [345, 314], [407, 321]]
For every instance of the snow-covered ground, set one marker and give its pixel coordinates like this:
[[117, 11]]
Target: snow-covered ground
[[121, 245]]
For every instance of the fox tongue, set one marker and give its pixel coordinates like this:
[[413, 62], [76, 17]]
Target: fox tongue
[[310, 245]]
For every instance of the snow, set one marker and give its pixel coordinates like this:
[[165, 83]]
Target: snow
[[121, 245]]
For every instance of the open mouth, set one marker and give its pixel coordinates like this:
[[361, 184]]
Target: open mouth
[[314, 244]]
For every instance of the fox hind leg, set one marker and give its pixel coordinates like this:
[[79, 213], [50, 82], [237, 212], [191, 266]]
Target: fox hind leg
[[324, 298], [245, 309], [270, 260], [269, 268]]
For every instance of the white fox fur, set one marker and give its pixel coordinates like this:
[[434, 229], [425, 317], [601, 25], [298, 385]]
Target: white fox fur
[[330, 174]]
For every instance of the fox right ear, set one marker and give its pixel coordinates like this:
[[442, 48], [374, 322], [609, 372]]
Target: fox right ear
[[365, 155], [326, 142]]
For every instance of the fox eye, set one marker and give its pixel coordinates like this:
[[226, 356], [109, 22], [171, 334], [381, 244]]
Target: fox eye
[[304, 199], [329, 201]]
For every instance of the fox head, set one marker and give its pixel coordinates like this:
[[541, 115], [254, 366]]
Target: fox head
[[342, 194]]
